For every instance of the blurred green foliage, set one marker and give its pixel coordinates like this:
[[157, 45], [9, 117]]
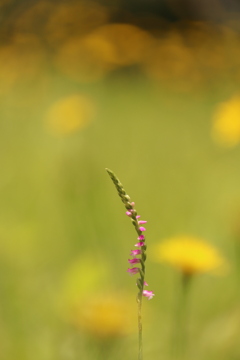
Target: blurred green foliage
[[146, 113]]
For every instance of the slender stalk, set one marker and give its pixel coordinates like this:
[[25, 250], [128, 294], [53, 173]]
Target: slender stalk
[[139, 301]]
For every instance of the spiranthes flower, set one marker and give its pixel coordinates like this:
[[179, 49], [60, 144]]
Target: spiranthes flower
[[189, 254], [226, 122], [132, 214]]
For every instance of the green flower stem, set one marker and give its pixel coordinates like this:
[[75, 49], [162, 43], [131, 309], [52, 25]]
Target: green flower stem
[[180, 329], [140, 281], [139, 301], [237, 262]]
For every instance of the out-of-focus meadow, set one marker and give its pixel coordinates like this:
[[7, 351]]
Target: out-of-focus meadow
[[154, 96]]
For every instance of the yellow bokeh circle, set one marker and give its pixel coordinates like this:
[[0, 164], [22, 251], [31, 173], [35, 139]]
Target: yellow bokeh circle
[[70, 114], [226, 122]]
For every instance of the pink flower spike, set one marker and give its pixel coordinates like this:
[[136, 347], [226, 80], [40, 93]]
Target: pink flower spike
[[141, 237], [142, 228], [135, 252], [134, 261], [142, 222], [145, 283], [128, 213], [141, 243], [148, 294], [133, 271]]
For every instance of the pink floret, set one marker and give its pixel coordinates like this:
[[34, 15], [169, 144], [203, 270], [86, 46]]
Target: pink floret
[[133, 271], [141, 243], [135, 252], [142, 228], [134, 261], [141, 237], [148, 294]]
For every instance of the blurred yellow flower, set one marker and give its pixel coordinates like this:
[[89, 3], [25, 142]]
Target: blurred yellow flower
[[189, 254], [70, 114], [171, 61], [89, 58], [86, 300], [226, 122], [74, 19], [208, 42], [84, 59], [22, 60], [128, 43], [107, 315]]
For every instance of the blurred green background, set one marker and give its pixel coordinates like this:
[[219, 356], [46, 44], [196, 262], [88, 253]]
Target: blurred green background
[[151, 91]]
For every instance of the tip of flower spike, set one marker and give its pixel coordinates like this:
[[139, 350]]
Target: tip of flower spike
[[108, 170], [148, 294]]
